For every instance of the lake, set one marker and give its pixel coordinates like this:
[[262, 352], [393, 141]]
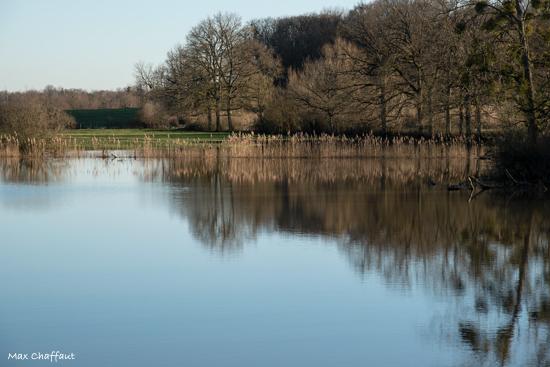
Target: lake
[[216, 259]]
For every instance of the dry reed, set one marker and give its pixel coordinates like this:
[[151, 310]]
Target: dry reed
[[236, 145]]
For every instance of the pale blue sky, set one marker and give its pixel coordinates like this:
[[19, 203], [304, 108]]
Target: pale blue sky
[[94, 44]]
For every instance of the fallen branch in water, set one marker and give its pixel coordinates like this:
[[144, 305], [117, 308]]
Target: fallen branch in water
[[509, 175], [476, 186], [472, 183]]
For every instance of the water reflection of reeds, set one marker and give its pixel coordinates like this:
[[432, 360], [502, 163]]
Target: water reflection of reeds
[[31, 170], [397, 164]]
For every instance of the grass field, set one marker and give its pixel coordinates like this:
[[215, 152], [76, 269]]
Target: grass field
[[132, 138]]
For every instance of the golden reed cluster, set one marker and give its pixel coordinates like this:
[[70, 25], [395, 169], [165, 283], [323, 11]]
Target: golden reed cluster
[[236, 145]]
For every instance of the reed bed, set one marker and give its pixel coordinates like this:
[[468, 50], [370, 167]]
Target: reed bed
[[236, 145], [13, 145], [308, 146]]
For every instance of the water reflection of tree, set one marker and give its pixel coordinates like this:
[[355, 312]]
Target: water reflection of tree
[[214, 224], [490, 256]]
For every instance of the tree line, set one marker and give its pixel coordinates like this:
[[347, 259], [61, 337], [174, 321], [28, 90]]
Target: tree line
[[427, 66], [75, 99]]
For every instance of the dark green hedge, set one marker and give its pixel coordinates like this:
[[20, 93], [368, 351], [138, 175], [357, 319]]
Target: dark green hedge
[[109, 118]]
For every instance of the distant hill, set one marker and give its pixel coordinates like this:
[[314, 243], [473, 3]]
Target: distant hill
[[108, 118]]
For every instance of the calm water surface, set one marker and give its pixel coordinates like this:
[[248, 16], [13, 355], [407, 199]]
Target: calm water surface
[[218, 261]]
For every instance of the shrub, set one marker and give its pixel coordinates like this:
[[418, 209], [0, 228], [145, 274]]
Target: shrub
[[153, 116], [32, 119]]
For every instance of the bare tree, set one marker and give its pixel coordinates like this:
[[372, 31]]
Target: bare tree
[[412, 34], [366, 26], [235, 58], [206, 52], [325, 86]]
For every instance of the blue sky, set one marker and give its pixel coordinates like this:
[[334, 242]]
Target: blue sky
[[94, 44]]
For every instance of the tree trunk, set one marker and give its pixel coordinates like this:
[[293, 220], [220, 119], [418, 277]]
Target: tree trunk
[[209, 118], [448, 113], [468, 119], [218, 106], [478, 120], [461, 119], [383, 117], [420, 103], [430, 114], [448, 86], [530, 113], [419, 116], [229, 120], [218, 113]]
